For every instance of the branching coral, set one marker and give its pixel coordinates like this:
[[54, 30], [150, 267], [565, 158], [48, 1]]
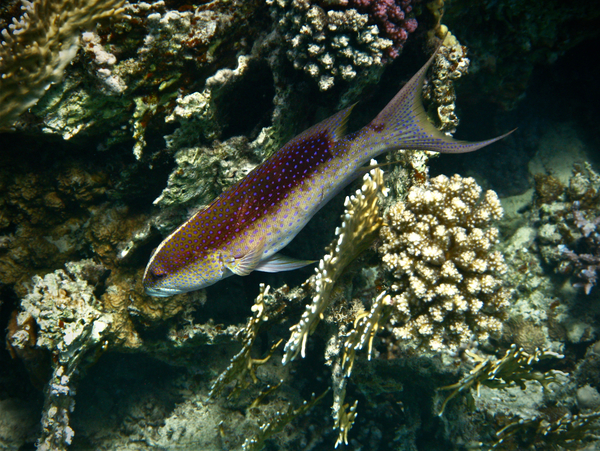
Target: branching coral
[[344, 416], [390, 17], [514, 368], [278, 423], [242, 364], [447, 287], [340, 40], [366, 325], [361, 222], [568, 432], [37, 48]]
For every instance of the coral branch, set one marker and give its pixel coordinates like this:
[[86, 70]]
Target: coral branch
[[361, 222]]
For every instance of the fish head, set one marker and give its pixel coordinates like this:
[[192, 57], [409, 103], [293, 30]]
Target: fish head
[[165, 274]]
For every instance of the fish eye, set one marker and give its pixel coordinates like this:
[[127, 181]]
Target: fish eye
[[158, 273]]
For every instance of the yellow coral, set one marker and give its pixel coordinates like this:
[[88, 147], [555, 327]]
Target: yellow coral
[[447, 278]]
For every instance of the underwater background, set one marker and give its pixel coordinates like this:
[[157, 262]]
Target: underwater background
[[455, 303]]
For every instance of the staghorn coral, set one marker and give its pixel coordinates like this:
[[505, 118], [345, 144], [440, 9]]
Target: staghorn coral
[[568, 432], [36, 48], [366, 325], [344, 416], [514, 368], [242, 364], [279, 421], [342, 41], [447, 281], [361, 221]]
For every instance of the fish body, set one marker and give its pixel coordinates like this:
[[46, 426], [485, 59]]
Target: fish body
[[245, 227]]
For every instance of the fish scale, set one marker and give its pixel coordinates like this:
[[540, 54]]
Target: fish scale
[[245, 227]]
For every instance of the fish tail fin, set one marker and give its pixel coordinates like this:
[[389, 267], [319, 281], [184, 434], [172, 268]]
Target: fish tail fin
[[403, 124]]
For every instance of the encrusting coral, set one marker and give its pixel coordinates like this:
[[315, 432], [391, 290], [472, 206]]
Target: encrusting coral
[[450, 64], [568, 218], [69, 323], [36, 48], [447, 280]]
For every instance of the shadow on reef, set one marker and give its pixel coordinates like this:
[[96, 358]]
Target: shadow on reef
[[121, 388], [247, 105], [564, 91], [22, 415]]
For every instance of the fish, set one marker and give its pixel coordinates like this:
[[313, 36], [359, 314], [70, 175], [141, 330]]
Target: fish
[[244, 228]]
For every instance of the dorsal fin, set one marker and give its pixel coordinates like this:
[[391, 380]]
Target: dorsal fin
[[334, 128]]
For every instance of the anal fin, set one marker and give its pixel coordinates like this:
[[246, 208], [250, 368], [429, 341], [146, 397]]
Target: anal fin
[[278, 263]]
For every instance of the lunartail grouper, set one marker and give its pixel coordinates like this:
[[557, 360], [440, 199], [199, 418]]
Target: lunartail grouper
[[245, 227]]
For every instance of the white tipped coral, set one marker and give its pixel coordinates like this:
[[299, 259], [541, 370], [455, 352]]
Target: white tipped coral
[[447, 278]]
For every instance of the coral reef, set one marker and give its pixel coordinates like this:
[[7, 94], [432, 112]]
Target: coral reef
[[203, 92], [361, 221], [514, 368], [342, 40], [129, 76], [447, 280], [450, 64], [568, 220], [68, 324], [37, 48], [585, 264]]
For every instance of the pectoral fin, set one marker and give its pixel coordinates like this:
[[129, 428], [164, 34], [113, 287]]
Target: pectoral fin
[[278, 263], [243, 265]]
